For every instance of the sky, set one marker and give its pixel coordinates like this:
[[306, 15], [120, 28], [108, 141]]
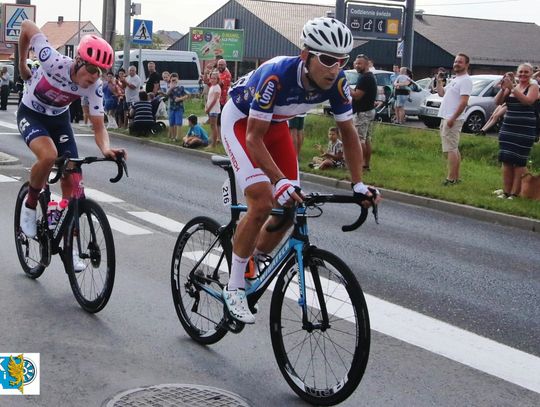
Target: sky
[[179, 15]]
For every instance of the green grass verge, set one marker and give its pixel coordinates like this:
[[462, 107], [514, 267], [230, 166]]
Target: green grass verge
[[410, 160]]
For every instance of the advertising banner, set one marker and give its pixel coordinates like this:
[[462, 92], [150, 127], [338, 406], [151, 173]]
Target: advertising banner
[[211, 42]]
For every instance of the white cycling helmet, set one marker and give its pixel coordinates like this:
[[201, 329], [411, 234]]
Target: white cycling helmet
[[327, 35]]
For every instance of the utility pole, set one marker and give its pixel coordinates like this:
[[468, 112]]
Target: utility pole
[[127, 36], [108, 23], [407, 59]]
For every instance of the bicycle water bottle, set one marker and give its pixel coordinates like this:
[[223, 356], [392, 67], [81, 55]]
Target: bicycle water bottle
[[52, 214], [61, 206]]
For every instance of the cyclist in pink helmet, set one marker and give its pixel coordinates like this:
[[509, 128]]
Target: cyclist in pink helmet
[[43, 114]]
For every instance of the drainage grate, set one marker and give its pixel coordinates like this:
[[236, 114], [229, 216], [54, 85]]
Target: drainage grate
[[178, 395]]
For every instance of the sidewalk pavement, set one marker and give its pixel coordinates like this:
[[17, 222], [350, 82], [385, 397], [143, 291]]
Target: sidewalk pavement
[[485, 215]]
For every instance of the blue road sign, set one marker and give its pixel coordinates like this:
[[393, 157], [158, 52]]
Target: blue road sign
[[142, 32]]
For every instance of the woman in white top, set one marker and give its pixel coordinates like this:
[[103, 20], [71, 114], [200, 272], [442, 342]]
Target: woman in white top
[[212, 106]]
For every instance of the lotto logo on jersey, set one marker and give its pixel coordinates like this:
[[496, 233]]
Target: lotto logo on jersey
[[344, 90], [19, 373], [267, 92]]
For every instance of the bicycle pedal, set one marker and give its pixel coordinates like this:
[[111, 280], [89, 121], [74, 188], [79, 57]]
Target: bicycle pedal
[[254, 308]]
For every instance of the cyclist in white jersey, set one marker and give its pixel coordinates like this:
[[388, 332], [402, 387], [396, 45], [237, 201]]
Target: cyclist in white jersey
[[43, 115], [257, 139]]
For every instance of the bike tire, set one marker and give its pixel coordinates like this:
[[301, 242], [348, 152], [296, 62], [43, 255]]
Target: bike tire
[[92, 286], [201, 314], [33, 253], [341, 351]]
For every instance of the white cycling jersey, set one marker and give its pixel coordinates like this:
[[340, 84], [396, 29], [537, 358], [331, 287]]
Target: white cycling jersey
[[50, 90]]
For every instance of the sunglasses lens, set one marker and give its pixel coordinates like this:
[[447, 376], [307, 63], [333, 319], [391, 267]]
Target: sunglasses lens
[[329, 61], [92, 69]]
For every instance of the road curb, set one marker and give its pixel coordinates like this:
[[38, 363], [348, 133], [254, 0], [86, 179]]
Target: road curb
[[485, 215]]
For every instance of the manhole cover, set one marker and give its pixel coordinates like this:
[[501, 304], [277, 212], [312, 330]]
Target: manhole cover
[[165, 395]]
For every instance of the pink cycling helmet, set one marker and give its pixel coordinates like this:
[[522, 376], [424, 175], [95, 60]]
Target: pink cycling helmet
[[96, 51]]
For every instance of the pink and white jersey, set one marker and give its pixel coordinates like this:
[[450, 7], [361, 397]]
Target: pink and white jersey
[[50, 90]]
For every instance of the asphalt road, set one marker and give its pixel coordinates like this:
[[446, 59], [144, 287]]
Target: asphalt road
[[477, 280]]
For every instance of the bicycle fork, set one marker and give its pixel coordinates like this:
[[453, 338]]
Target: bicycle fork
[[322, 323]]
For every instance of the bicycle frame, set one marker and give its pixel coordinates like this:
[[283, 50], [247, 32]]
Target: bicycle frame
[[293, 246]]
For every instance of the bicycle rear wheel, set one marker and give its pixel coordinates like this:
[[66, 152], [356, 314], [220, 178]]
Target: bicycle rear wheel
[[33, 253], [92, 286], [322, 364], [201, 258]]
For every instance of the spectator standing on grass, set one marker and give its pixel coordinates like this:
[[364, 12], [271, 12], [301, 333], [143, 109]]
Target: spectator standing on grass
[[152, 83], [433, 83], [110, 100], [455, 98], [401, 89], [213, 108], [121, 95], [296, 128], [225, 79], [132, 85], [395, 74], [176, 95], [518, 130], [364, 95]]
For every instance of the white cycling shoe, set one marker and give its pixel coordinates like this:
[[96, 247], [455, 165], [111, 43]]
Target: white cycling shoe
[[28, 220], [78, 263], [237, 304]]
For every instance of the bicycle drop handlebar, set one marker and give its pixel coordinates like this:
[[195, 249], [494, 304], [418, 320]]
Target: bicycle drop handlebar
[[315, 199], [61, 166]]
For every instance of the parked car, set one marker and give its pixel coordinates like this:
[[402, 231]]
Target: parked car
[[424, 83], [481, 104], [11, 72], [412, 107]]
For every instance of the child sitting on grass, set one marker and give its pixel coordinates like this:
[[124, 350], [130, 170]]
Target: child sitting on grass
[[196, 136], [333, 157]]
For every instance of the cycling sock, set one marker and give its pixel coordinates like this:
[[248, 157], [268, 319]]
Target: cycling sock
[[32, 197], [237, 272]]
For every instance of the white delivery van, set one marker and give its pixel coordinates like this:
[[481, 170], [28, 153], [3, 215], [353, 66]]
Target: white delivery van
[[184, 63]]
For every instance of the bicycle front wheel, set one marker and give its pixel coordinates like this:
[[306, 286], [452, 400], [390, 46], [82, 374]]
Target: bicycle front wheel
[[323, 357], [201, 259], [33, 253], [89, 243]]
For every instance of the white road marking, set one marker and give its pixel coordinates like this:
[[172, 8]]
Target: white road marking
[[126, 228], [159, 220], [100, 196], [4, 178], [441, 338], [9, 125]]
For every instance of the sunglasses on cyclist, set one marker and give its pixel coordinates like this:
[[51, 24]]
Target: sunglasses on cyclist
[[330, 61], [92, 69]]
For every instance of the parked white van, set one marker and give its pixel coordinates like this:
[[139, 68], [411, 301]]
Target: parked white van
[[184, 63]]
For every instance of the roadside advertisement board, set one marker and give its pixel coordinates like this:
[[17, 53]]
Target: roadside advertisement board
[[211, 42]]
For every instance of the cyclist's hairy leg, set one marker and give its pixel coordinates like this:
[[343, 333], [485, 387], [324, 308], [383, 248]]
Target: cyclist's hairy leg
[[268, 241], [259, 202], [45, 151], [70, 182]]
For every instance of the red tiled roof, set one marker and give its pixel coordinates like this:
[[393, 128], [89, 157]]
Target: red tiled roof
[[59, 34]]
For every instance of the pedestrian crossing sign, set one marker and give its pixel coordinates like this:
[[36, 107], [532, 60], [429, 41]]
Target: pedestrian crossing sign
[[142, 32]]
